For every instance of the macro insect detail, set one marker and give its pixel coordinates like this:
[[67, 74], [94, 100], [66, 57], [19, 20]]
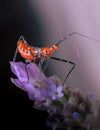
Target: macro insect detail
[[34, 54]]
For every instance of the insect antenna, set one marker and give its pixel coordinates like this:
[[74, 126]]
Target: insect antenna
[[75, 33], [59, 42], [79, 34], [82, 35], [66, 61], [67, 38]]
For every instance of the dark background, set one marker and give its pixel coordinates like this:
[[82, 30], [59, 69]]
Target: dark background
[[16, 18]]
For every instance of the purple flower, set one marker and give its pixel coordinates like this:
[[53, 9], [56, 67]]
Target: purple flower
[[67, 107], [31, 79], [55, 92], [75, 115]]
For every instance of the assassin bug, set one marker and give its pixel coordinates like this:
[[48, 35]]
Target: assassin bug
[[35, 54]]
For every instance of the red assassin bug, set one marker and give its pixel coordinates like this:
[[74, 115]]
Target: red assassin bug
[[34, 53]]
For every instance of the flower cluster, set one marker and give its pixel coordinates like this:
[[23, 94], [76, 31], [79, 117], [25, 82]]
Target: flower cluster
[[67, 108]]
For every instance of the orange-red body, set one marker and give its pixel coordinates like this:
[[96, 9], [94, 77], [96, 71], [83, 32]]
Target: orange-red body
[[32, 53]]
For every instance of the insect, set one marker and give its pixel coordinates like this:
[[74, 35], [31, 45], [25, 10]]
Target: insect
[[34, 54]]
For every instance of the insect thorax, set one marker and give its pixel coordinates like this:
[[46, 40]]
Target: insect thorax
[[37, 53]]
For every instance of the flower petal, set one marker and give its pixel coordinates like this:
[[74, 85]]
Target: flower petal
[[34, 95], [59, 89], [27, 72], [18, 68], [76, 115], [48, 82], [60, 95], [23, 85], [34, 72], [31, 96]]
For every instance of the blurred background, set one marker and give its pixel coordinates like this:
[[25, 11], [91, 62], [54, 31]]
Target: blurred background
[[44, 23], [17, 18]]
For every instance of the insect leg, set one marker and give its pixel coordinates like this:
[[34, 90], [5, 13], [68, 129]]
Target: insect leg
[[26, 70], [44, 63], [21, 38], [14, 58], [66, 61]]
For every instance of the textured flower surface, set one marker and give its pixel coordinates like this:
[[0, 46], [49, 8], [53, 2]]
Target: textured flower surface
[[67, 108], [31, 79], [55, 92]]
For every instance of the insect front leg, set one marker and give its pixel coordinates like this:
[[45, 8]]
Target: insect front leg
[[16, 51]]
